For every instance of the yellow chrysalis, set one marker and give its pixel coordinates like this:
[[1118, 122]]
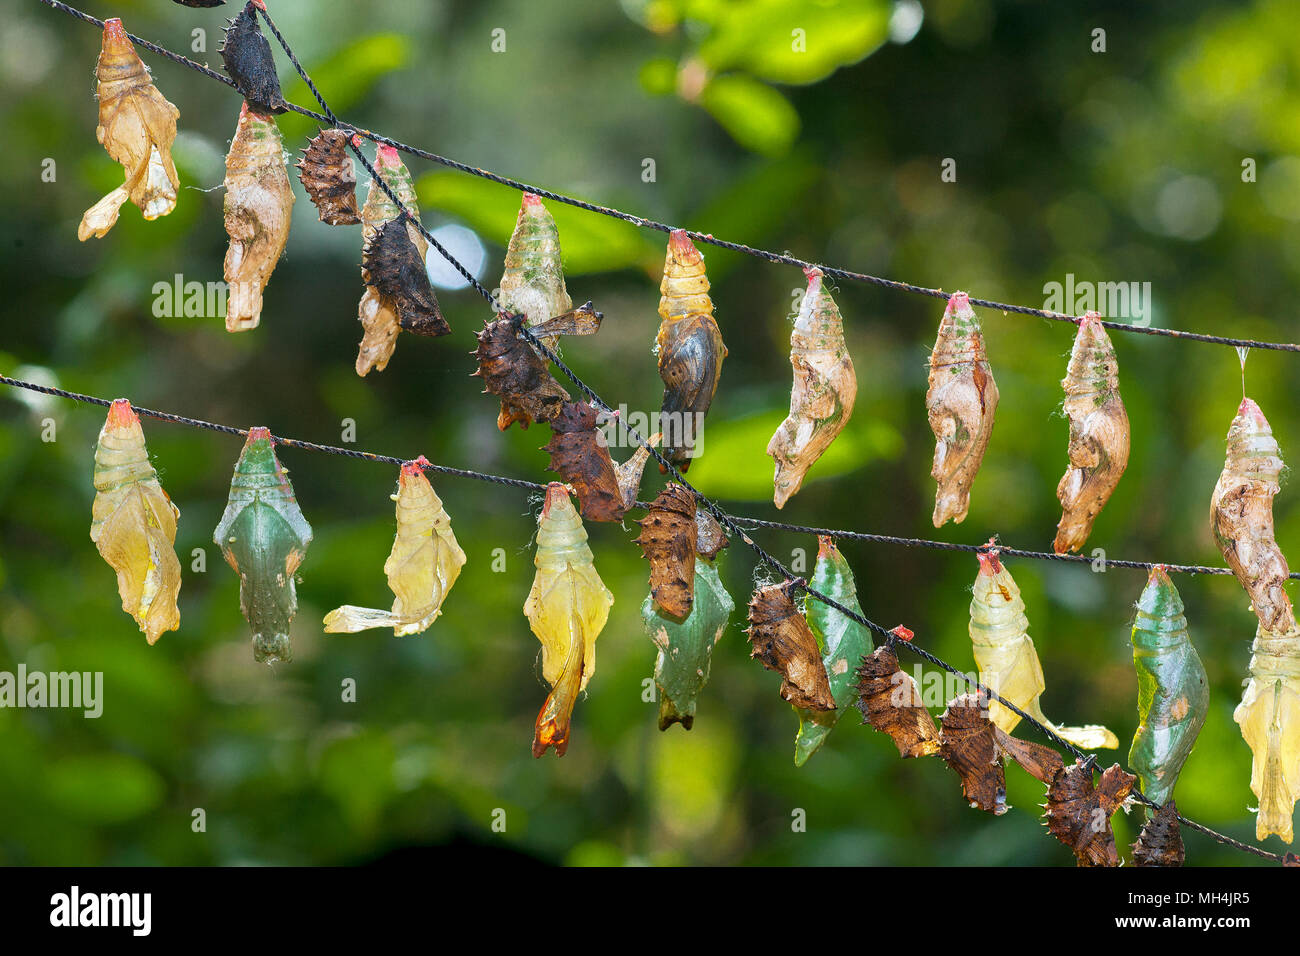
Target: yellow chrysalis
[[422, 567], [1269, 715], [134, 524], [566, 608]]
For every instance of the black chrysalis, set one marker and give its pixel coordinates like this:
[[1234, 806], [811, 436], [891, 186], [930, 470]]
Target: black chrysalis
[[394, 268], [247, 56]]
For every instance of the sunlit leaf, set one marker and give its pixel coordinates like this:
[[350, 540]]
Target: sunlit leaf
[[755, 114]]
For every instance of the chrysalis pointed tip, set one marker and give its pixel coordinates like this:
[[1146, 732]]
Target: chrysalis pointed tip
[[115, 38], [386, 157], [957, 302], [826, 547], [532, 202], [989, 563], [680, 245], [557, 494], [415, 467], [260, 433], [121, 414]]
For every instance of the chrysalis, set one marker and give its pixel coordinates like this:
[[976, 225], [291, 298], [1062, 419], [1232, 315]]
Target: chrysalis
[[961, 401], [581, 457], [891, 703], [1173, 693], [328, 175], [264, 537], [843, 642], [246, 55], [1006, 657], [825, 388], [1269, 717], [137, 127], [532, 284], [1099, 434], [378, 313], [512, 370], [667, 539], [967, 745], [1241, 516], [709, 537], [1078, 814], [686, 646], [259, 206], [394, 267], [422, 567], [784, 643], [133, 523], [566, 608], [1161, 841], [690, 349]]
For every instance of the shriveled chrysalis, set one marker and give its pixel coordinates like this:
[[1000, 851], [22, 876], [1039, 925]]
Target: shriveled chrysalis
[[1078, 813], [259, 207], [667, 539], [422, 567], [968, 745], [133, 523], [1099, 434], [566, 609], [137, 127], [824, 390], [379, 313], [1006, 657], [580, 454], [264, 537], [246, 55], [843, 643], [328, 175], [891, 703], [961, 401], [532, 284], [1173, 692], [1241, 516], [1269, 717], [690, 349], [1161, 841], [783, 642]]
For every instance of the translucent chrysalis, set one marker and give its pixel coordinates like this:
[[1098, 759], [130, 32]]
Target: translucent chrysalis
[[532, 284], [1269, 717], [566, 609], [422, 567], [258, 208], [825, 387], [137, 127], [133, 523], [961, 402]]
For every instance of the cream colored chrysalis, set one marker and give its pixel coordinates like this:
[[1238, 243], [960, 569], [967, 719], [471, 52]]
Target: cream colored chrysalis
[[961, 401], [1099, 434], [258, 208], [1241, 516], [1007, 659], [134, 524], [1269, 715], [137, 127], [422, 567], [825, 387]]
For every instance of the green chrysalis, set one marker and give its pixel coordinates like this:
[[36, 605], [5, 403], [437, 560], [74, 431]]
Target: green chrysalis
[[1173, 694], [843, 641], [685, 647], [264, 537]]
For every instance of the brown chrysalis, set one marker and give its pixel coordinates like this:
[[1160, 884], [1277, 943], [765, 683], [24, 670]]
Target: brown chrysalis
[[328, 175], [784, 642], [1038, 761], [709, 536], [512, 370], [1161, 841], [394, 267], [668, 539], [968, 745], [605, 490], [891, 703], [247, 58], [1078, 814]]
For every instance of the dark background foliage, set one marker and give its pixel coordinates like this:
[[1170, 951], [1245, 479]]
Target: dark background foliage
[[1116, 166]]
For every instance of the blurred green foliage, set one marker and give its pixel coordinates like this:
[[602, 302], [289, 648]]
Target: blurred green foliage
[[1122, 166]]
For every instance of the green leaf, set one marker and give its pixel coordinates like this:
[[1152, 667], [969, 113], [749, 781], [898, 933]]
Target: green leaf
[[104, 788], [658, 77], [589, 242], [756, 115], [795, 41]]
